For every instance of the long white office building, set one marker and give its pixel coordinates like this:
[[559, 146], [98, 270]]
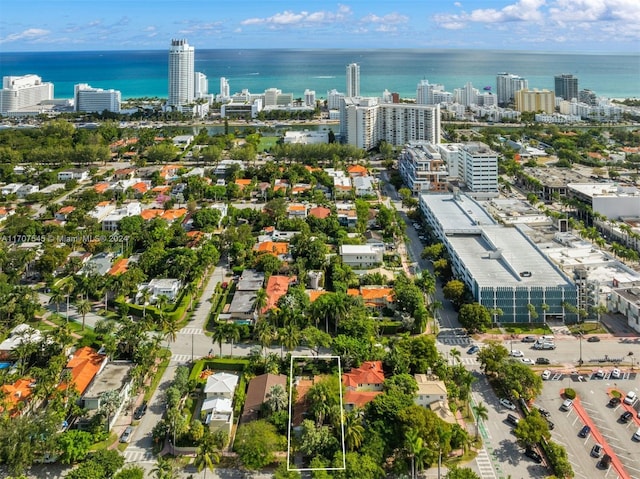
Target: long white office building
[[366, 121], [88, 99], [500, 265], [19, 92], [479, 165]]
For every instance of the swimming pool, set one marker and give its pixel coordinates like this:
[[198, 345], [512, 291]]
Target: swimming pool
[[5, 365]]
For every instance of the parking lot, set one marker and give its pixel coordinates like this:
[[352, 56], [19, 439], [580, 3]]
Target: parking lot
[[594, 398]]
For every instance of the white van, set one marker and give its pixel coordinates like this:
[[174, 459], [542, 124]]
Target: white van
[[636, 435], [630, 398]]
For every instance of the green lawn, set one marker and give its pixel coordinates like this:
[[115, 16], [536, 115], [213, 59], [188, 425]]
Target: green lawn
[[521, 329], [587, 328], [266, 142]]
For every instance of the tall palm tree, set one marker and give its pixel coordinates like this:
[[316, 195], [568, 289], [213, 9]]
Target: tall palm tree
[[232, 334], [207, 454], [261, 301], [161, 302], [84, 306], [265, 334], [67, 287], [353, 430], [455, 354], [145, 296], [482, 414], [170, 327], [219, 334], [414, 446], [289, 338], [165, 469], [191, 289], [57, 297]]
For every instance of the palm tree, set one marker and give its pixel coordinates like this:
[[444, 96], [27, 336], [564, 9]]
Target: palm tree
[[353, 430], [145, 296], [455, 354], [289, 338], [265, 333], [165, 469], [207, 454], [219, 334], [414, 447], [276, 398], [261, 301], [482, 414], [170, 327], [232, 334], [191, 289], [109, 403], [57, 297], [67, 288], [161, 302], [84, 306]]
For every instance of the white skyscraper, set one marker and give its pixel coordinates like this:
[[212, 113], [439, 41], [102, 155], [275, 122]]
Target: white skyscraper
[[90, 99], [23, 91], [310, 98], [201, 85], [353, 79], [224, 88], [507, 85], [181, 73]]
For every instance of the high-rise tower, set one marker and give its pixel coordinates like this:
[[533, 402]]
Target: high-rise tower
[[353, 80], [507, 85], [181, 73], [566, 86]]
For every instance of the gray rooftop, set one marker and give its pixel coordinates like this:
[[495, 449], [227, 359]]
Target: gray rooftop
[[457, 214], [112, 377], [250, 280]]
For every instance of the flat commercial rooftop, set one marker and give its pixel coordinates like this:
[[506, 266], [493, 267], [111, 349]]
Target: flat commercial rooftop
[[504, 257], [457, 214]]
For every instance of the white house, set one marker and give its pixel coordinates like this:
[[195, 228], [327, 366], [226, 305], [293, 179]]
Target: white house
[[11, 188], [110, 222], [79, 175], [361, 256], [364, 185], [26, 190], [168, 287], [102, 210], [217, 407], [429, 390]]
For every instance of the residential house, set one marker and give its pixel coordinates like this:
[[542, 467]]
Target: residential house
[[63, 213], [75, 174], [224, 165], [242, 307], [342, 187], [280, 249], [102, 210], [124, 174], [182, 141], [140, 188], [84, 366], [113, 376], [169, 215], [280, 184], [119, 266], [363, 384], [14, 397], [432, 393], [347, 215], [361, 256], [374, 239], [277, 287], [47, 190], [101, 187], [257, 394], [99, 264], [26, 190], [217, 407], [5, 213], [21, 334], [169, 172], [376, 297], [300, 188], [297, 210], [110, 222], [364, 186], [355, 171], [10, 189], [168, 287], [320, 212]]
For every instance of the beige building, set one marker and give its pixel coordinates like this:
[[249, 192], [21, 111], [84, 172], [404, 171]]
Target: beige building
[[432, 393], [535, 100]]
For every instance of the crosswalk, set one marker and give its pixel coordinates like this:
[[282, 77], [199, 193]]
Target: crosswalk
[[137, 455], [483, 461], [181, 358], [455, 341], [191, 331], [467, 361]]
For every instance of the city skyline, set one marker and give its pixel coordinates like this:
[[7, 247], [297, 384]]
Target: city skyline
[[533, 25]]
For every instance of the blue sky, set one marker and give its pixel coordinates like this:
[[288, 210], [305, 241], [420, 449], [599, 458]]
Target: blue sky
[[540, 25]]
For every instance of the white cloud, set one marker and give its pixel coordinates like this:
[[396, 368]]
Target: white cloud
[[30, 34], [303, 18], [595, 10], [391, 18]]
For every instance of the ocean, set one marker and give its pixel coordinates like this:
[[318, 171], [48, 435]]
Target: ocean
[[144, 73]]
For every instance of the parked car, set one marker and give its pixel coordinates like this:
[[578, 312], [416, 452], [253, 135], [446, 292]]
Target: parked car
[[529, 452], [566, 405], [542, 361], [593, 339], [605, 461], [550, 424], [546, 374], [508, 404], [636, 435], [140, 411], [516, 353], [616, 373], [511, 419], [528, 339], [626, 416], [126, 435], [585, 431], [527, 361], [596, 450], [473, 349], [630, 398], [614, 401], [600, 374], [543, 412]]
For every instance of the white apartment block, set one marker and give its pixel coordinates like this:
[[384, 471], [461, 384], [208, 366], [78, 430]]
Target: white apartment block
[[507, 85], [111, 221], [88, 99], [334, 99], [427, 93], [201, 85], [310, 98], [480, 167], [535, 100], [20, 92], [422, 168], [467, 96], [365, 122]]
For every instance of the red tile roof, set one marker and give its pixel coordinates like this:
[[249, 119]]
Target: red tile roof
[[360, 398], [119, 267], [369, 372], [277, 287], [320, 212], [272, 247], [84, 365], [14, 394]]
